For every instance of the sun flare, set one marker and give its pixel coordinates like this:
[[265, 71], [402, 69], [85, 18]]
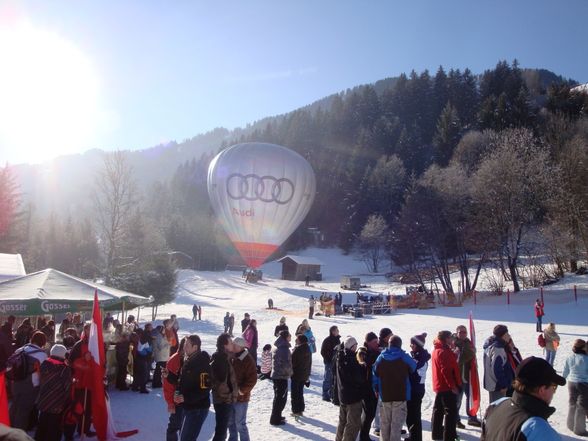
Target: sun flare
[[48, 95]]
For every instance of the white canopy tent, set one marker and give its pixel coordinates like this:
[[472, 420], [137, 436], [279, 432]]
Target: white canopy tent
[[51, 292]]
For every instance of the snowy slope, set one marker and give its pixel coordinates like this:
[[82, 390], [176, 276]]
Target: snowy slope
[[219, 292]]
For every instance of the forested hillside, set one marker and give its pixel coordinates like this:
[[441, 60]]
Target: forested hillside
[[439, 172]]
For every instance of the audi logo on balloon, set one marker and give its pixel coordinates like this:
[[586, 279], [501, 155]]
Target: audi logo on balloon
[[252, 187]]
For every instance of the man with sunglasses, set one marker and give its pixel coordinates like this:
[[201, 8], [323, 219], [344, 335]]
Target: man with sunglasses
[[524, 416]]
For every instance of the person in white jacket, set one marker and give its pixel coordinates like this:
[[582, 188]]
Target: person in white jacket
[[576, 373], [161, 349]]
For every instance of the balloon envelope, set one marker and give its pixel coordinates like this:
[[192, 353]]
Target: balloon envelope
[[260, 193]]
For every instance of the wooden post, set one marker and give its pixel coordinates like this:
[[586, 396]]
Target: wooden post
[[542, 296], [576, 293], [123, 321], [475, 300], [508, 296]]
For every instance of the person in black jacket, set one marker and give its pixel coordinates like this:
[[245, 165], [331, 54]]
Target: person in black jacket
[[327, 352], [417, 386], [524, 416], [54, 395], [351, 383], [301, 363], [193, 388], [281, 327], [366, 356]]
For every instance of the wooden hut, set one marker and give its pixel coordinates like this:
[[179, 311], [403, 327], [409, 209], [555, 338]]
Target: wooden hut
[[298, 267]]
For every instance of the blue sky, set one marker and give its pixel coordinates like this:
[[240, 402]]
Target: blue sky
[[171, 70]]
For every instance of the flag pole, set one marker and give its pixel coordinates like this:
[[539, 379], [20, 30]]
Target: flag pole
[[84, 414]]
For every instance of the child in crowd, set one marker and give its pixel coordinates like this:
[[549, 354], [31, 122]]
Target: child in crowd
[[266, 363]]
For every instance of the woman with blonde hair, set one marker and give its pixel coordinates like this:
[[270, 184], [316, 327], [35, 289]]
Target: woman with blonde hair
[[551, 343]]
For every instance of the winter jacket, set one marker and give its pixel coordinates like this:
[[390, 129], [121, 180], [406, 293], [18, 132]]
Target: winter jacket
[[266, 362], [539, 312], [520, 418], [5, 349], [281, 360], [245, 374], [466, 355], [498, 372], [194, 381], [145, 350], [350, 376], [311, 340], [173, 366], [391, 375], [23, 335], [160, 348], [328, 348], [301, 363], [250, 336], [280, 328], [227, 321], [54, 394], [419, 376], [244, 324], [222, 379], [445, 370], [551, 339], [368, 358], [576, 368]]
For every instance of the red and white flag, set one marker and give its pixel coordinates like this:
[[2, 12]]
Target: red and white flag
[[474, 380], [101, 415]]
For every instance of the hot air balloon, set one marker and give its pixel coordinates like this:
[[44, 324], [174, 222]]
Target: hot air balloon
[[260, 193]]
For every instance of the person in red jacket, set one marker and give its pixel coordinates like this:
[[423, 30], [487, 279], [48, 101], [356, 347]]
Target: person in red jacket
[[539, 313], [446, 381], [169, 377]]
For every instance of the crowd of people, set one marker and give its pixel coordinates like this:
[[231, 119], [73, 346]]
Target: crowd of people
[[377, 384]]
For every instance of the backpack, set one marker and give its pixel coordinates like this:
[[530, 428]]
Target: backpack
[[21, 364], [541, 340]]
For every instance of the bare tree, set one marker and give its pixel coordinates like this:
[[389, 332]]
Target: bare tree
[[510, 192], [372, 242], [114, 197]]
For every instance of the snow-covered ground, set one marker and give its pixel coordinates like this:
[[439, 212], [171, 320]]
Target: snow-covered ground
[[219, 292]]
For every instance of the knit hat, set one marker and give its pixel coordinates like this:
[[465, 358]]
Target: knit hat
[[370, 336], [58, 351], [535, 371], [283, 320], [419, 340], [350, 342], [500, 330], [240, 341]]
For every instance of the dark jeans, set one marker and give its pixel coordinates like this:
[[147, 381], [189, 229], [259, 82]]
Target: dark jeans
[[24, 396], [157, 374], [297, 389], [445, 407], [192, 424], [310, 313], [280, 400], [369, 406], [121, 371], [222, 412], [413, 419], [141, 373], [464, 389], [539, 324], [328, 382], [174, 424], [50, 427]]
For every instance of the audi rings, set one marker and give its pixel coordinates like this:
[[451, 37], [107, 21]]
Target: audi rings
[[260, 188]]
